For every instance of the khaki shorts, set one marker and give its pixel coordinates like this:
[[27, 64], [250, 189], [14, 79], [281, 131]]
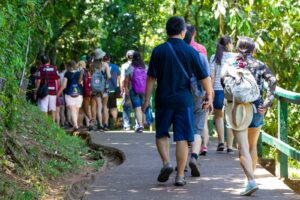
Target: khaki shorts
[[47, 104]]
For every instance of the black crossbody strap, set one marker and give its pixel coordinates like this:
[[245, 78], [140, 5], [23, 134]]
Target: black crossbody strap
[[180, 64]]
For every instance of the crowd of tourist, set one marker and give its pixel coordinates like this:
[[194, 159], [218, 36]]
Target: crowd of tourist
[[188, 88]]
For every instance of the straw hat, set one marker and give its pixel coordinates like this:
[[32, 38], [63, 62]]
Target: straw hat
[[99, 54], [239, 118]]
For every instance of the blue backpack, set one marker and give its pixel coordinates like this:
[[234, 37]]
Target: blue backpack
[[74, 88]]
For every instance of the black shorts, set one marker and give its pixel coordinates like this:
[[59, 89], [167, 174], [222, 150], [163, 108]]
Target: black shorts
[[112, 100]]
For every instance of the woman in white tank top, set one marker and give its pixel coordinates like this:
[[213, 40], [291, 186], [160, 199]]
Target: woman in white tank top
[[217, 61]]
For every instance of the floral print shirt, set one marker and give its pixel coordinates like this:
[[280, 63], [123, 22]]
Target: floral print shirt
[[262, 73]]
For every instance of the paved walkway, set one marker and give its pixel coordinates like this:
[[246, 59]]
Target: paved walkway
[[221, 175]]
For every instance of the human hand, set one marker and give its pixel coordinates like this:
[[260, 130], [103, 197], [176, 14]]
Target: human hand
[[145, 105], [208, 103], [261, 110]]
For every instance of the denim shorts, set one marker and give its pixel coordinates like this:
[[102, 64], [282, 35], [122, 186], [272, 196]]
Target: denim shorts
[[257, 121], [137, 100], [199, 115], [182, 120], [219, 99]]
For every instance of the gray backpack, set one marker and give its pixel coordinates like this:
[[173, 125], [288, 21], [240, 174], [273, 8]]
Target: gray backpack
[[240, 85], [98, 81]]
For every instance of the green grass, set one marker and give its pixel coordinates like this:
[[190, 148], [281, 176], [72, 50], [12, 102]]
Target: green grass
[[42, 152]]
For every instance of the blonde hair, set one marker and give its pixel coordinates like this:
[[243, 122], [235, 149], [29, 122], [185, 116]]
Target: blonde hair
[[81, 64]]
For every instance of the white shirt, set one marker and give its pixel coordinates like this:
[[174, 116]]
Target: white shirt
[[218, 68]]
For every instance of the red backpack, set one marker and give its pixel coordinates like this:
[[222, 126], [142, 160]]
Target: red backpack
[[86, 83]]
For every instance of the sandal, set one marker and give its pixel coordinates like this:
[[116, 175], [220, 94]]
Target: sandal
[[221, 147]]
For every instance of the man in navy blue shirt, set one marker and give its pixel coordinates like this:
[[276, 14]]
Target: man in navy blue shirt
[[173, 98]]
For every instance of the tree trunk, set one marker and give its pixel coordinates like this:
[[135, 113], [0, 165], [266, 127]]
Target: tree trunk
[[187, 12], [196, 18]]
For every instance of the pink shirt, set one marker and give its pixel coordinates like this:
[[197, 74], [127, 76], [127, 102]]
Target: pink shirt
[[198, 47]]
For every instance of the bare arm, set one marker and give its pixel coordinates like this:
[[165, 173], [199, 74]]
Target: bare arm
[[149, 89], [206, 83], [62, 87]]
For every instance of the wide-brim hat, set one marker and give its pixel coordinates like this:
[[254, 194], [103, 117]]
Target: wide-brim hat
[[99, 54], [240, 117]]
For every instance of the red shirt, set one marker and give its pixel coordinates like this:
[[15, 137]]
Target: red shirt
[[198, 47], [48, 74]]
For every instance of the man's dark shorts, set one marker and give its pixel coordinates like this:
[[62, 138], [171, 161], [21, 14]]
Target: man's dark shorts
[[112, 100], [182, 120]]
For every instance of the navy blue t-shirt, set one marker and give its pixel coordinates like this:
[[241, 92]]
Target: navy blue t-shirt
[[173, 87]]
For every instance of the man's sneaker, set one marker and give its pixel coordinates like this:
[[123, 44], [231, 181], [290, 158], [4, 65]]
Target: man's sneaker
[[165, 173], [139, 129], [126, 128], [230, 151], [250, 189], [180, 181], [194, 167]]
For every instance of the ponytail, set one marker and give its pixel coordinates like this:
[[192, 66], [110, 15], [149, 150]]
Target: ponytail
[[221, 47]]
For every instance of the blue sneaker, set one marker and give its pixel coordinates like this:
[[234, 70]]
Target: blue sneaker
[[250, 189]]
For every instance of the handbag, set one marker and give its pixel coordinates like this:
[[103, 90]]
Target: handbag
[[43, 90], [193, 80]]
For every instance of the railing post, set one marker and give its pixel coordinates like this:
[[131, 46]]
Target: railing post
[[283, 136], [260, 146]]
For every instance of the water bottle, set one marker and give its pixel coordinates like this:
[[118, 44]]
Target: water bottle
[[149, 117]]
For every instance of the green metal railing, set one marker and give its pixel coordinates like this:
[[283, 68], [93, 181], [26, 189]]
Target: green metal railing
[[280, 143]]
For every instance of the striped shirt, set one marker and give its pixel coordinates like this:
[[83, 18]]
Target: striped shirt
[[216, 69], [48, 74]]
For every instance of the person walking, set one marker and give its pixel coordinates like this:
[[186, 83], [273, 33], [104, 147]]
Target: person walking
[[46, 80], [135, 86], [199, 113], [217, 63], [101, 74], [73, 94], [201, 49], [245, 121], [85, 79], [113, 90], [126, 103], [174, 100]]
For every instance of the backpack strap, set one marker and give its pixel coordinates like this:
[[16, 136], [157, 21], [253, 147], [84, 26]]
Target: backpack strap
[[178, 61]]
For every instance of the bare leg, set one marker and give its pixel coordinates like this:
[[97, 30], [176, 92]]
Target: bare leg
[[99, 110], [244, 154], [94, 108], [86, 107], [139, 116], [163, 148], [205, 135], [196, 145], [57, 116], [105, 110], [219, 121], [114, 114], [229, 138], [181, 156], [74, 116], [253, 134]]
